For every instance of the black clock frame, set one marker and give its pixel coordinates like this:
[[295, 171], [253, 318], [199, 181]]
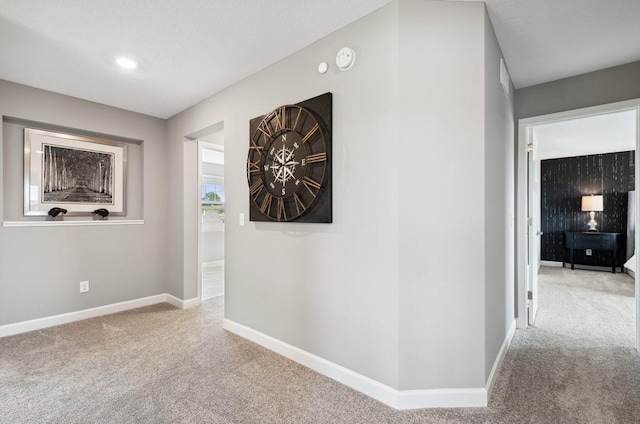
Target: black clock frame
[[289, 163]]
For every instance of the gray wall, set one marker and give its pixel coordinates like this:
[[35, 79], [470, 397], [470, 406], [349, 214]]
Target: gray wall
[[40, 268], [595, 88], [456, 144], [13, 133], [441, 112], [338, 296], [380, 291], [499, 200]]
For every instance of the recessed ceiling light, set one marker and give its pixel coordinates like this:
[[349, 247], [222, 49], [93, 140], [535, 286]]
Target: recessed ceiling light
[[126, 62]]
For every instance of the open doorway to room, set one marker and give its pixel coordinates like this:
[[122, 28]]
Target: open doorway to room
[[212, 215], [562, 159]]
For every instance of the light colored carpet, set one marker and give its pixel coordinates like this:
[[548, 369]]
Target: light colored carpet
[[577, 363], [163, 365]]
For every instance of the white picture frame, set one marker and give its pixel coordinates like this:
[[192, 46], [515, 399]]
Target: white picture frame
[[76, 173]]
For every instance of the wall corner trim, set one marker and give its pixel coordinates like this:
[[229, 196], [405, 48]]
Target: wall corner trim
[[497, 364], [398, 399], [52, 321]]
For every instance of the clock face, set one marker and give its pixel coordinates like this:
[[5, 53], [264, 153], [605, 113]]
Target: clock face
[[288, 166]]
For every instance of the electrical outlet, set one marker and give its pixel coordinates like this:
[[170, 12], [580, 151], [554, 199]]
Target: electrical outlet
[[84, 286], [589, 252]]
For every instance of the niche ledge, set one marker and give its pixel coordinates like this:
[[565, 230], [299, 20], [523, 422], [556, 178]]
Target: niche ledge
[[71, 223]]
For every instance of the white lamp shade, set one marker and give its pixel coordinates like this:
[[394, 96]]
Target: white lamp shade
[[592, 203]]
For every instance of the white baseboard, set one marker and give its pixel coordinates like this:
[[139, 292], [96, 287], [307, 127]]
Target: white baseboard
[[440, 398], [398, 399], [551, 263], [40, 323], [493, 376], [182, 304]]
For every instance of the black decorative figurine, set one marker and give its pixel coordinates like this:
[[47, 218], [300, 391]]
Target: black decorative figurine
[[57, 214], [101, 213]]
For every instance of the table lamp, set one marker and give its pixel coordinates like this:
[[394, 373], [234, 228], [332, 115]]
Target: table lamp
[[592, 204]]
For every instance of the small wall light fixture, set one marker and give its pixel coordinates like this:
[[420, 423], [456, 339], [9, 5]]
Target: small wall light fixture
[[592, 204]]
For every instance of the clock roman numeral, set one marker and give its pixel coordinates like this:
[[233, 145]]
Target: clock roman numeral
[[254, 145], [299, 204], [256, 188], [266, 204], [310, 133], [253, 166], [295, 124], [310, 183], [318, 157], [282, 214], [279, 115], [266, 131]]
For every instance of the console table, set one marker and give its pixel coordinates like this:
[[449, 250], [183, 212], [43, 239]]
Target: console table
[[595, 241]]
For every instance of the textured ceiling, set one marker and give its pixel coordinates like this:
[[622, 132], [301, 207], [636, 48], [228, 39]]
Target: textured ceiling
[[187, 49], [546, 40], [190, 49]]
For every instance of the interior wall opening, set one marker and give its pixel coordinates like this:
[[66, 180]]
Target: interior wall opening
[[211, 215], [563, 164]]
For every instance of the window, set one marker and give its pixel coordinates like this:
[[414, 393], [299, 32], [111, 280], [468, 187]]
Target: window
[[212, 195]]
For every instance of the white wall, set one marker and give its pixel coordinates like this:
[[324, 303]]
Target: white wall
[[40, 268]]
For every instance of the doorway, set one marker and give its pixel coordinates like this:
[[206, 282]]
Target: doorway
[[211, 225], [528, 200]]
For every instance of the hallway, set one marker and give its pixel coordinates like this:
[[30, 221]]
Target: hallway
[[160, 364], [578, 362]]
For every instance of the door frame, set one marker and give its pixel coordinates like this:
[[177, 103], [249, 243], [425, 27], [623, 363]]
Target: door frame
[[533, 228], [524, 138], [201, 146]]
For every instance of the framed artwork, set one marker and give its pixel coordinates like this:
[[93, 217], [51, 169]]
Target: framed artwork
[[77, 173], [289, 163]]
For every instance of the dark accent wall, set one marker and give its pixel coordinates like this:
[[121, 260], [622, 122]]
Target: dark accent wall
[[563, 183]]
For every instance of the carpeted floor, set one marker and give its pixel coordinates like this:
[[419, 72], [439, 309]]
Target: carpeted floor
[[159, 364]]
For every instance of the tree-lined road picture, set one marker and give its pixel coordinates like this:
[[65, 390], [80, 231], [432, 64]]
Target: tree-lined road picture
[[76, 176]]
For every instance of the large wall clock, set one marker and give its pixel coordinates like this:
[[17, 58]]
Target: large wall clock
[[289, 163]]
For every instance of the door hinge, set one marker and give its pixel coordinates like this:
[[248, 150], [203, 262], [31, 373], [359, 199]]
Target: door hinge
[[530, 295]]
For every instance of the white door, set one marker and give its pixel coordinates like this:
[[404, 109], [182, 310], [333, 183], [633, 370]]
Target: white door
[[533, 232]]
